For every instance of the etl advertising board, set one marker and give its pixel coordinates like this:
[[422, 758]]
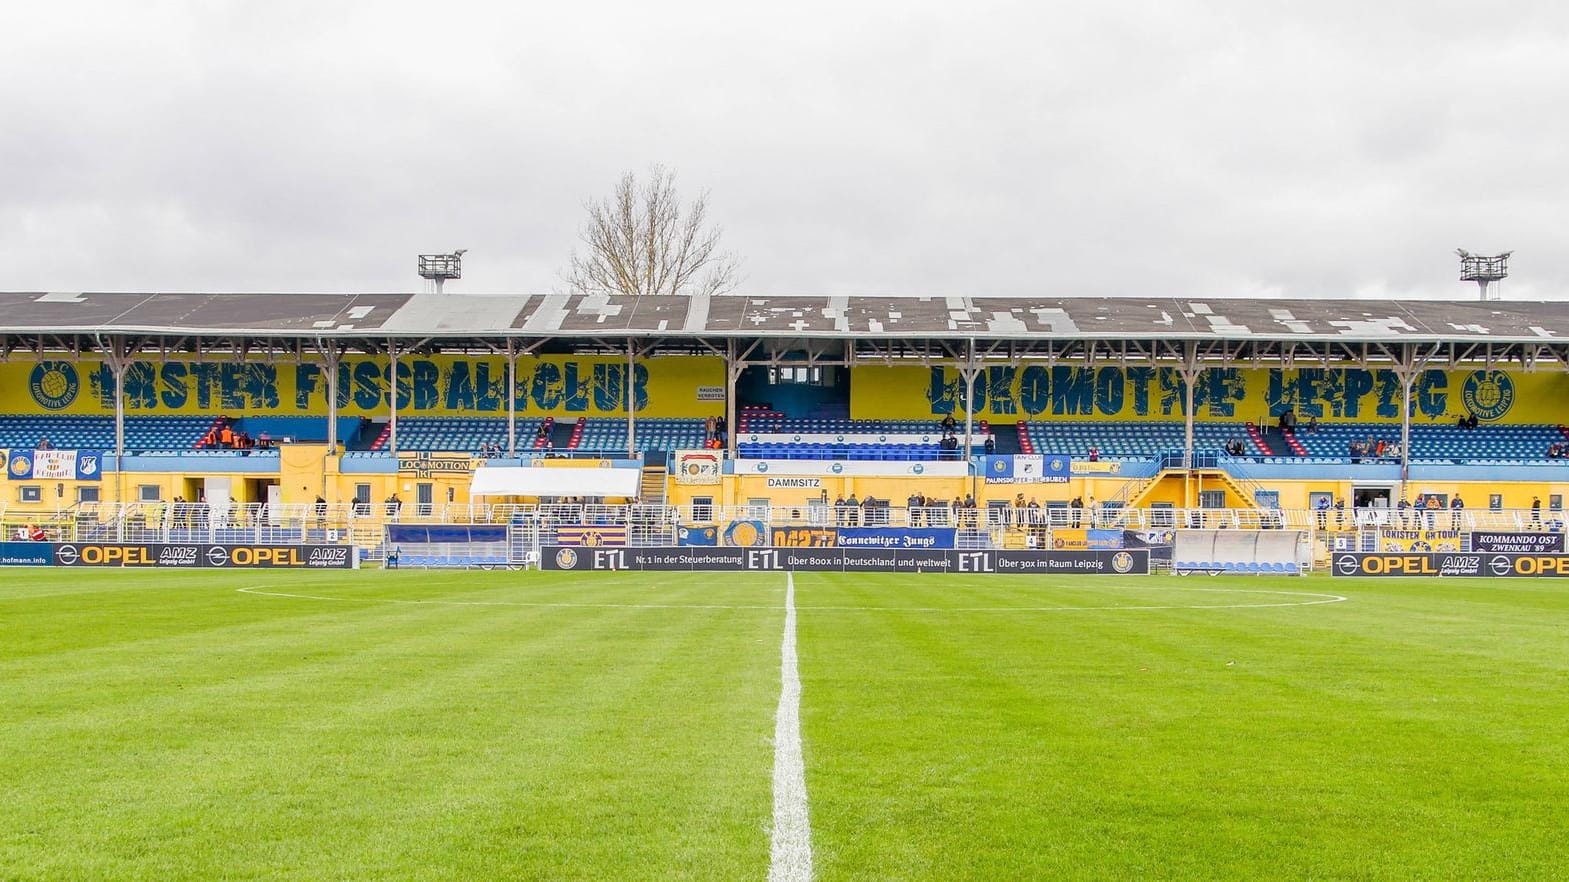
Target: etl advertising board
[[848, 560]]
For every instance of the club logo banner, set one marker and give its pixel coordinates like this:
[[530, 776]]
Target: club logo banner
[[435, 385], [1028, 469], [697, 467], [591, 534], [55, 465], [1329, 394], [698, 536]]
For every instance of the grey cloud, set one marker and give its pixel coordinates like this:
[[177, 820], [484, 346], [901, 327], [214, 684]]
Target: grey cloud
[[1214, 149]]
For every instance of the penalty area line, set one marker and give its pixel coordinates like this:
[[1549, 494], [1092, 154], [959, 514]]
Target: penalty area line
[[790, 845]]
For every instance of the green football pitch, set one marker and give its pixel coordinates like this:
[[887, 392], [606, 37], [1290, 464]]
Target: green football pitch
[[501, 725]]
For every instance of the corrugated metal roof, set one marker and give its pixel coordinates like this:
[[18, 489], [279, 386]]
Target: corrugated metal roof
[[407, 315]]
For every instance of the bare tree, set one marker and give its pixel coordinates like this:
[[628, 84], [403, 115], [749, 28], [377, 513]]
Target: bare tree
[[639, 241]]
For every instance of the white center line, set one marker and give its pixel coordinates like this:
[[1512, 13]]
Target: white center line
[[790, 854]]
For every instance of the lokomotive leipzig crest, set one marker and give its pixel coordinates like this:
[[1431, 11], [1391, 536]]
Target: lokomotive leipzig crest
[[1488, 394], [566, 558], [54, 384]]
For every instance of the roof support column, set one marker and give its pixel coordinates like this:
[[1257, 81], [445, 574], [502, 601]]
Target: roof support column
[[631, 386], [329, 360], [392, 397], [732, 377], [968, 372], [512, 398], [1190, 378]]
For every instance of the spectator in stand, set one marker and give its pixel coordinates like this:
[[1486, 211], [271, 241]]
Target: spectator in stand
[[1288, 422], [1312, 425], [1355, 449], [912, 510], [1470, 421], [1456, 505], [991, 445], [1322, 506], [1340, 513], [1404, 509], [1076, 507], [1536, 511], [1094, 454], [1378, 452], [721, 430], [43, 444], [949, 424], [226, 436], [1094, 507], [709, 427]]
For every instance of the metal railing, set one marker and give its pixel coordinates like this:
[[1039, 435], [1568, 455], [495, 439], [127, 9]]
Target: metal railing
[[365, 525]]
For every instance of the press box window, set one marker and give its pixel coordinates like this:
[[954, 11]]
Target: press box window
[[87, 494], [30, 493], [149, 493]]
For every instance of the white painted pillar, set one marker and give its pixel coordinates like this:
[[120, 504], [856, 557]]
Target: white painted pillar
[[512, 398], [392, 398]]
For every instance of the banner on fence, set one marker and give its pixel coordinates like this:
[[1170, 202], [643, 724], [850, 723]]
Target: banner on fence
[[697, 467], [895, 537], [697, 536], [1028, 469], [1449, 564], [878, 560], [746, 533], [805, 537], [1080, 540], [591, 534], [193, 555], [55, 465], [1518, 543], [1420, 540]]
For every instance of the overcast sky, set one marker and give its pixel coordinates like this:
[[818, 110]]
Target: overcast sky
[[1145, 148]]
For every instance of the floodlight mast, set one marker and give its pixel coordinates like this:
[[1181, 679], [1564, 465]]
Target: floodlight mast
[[1484, 271], [438, 268]]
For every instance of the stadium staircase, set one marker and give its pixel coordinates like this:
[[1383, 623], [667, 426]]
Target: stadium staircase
[[1006, 439], [1260, 443], [652, 487], [563, 435], [1278, 443], [1021, 436]]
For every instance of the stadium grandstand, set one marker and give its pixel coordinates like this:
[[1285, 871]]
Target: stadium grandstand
[[669, 421]]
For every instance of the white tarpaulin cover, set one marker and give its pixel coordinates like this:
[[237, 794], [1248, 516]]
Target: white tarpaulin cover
[[504, 481]]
